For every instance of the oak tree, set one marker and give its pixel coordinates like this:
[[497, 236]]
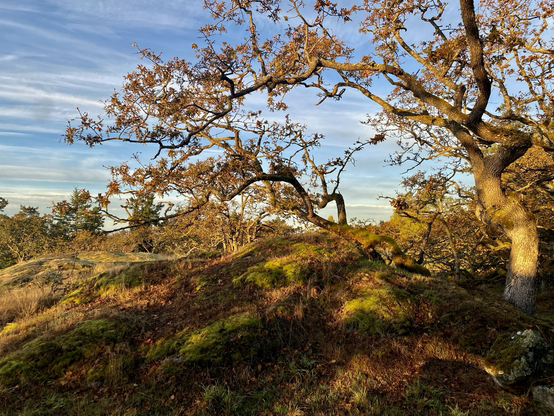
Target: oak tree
[[25, 235], [470, 82]]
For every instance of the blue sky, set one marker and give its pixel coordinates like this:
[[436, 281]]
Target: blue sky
[[57, 55]]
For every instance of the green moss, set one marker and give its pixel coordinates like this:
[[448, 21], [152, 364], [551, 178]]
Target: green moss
[[233, 338], [518, 359], [203, 280], [9, 327], [167, 347], [106, 283], [370, 241], [503, 353], [43, 358], [310, 251], [499, 216], [77, 295], [275, 273], [366, 264], [128, 278], [379, 311]]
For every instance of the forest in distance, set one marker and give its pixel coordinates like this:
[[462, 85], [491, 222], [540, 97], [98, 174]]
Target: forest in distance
[[433, 223]]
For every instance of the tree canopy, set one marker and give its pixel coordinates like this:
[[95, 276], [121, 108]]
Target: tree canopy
[[469, 82], [78, 213]]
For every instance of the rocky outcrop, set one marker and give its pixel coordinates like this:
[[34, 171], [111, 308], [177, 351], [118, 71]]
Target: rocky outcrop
[[544, 395], [518, 360]]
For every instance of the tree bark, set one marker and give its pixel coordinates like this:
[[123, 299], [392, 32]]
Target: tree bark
[[452, 246], [506, 211], [520, 226], [422, 251]]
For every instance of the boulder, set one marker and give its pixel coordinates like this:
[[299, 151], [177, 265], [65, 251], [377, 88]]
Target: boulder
[[517, 360], [544, 395]]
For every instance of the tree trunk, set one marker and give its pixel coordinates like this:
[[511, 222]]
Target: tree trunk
[[421, 256], [521, 280], [452, 246], [520, 226]]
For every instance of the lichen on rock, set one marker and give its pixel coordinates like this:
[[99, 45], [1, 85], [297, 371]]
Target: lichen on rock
[[516, 360], [544, 395]]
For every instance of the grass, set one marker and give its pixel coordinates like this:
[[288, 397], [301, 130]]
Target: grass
[[31, 287], [22, 303], [329, 332]]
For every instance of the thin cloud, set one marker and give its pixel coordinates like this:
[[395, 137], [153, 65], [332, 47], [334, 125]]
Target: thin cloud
[[7, 58], [33, 94], [28, 128], [18, 173], [176, 14]]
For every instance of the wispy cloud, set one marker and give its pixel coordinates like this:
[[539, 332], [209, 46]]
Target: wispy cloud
[[150, 13], [57, 55], [41, 174], [20, 128], [32, 94], [6, 58]]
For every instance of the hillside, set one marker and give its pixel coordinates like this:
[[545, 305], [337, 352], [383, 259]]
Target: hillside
[[294, 326]]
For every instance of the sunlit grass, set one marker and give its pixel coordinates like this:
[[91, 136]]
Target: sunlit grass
[[195, 340]]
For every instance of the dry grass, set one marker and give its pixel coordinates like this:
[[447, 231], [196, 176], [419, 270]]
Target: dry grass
[[294, 354], [29, 287], [22, 303]]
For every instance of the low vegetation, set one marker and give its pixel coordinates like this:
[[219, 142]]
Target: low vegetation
[[285, 326]]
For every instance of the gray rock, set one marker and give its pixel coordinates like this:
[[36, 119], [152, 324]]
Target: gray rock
[[516, 360], [544, 395]]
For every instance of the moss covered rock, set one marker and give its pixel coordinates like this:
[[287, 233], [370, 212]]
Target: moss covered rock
[[106, 283], [47, 357], [544, 395], [379, 311], [275, 273], [231, 339], [516, 360], [290, 266]]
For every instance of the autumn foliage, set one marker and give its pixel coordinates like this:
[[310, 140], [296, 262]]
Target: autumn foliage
[[474, 88]]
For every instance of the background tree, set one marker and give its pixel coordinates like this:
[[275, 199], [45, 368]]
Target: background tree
[[78, 214], [439, 100], [240, 220], [26, 235], [434, 221], [143, 210], [143, 214]]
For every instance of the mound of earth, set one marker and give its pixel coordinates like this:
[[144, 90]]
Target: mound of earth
[[299, 325]]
